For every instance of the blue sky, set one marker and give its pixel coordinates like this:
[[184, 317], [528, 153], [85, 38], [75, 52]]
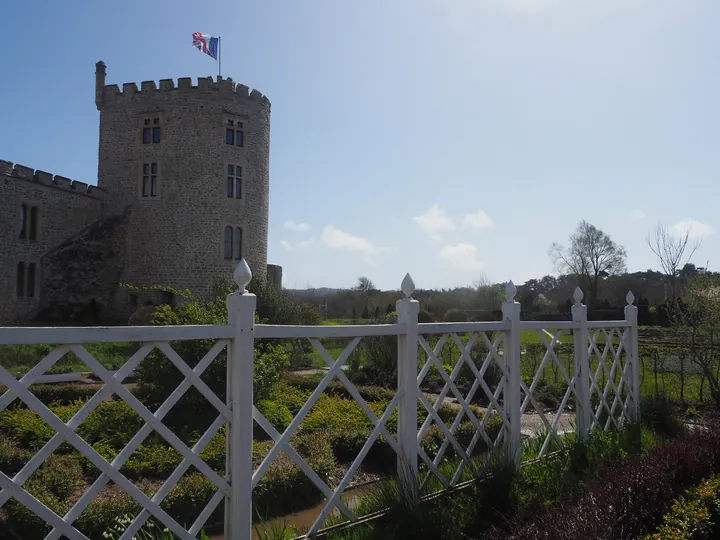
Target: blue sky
[[449, 139]]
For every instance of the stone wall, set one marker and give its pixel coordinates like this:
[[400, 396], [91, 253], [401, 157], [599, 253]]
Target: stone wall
[[81, 277], [64, 207], [176, 239], [274, 275]]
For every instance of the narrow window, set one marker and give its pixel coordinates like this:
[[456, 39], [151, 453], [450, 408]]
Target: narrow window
[[238, 182], [153, 179], [239, 138], [33, 222], [146, 180], [146, 135], [234, 133], [238, 243], [234, 181], [156, 134], [149, 180], [20, 287], [230, 181], [23, 220], [31, 280], [228, 242], [230, 136]]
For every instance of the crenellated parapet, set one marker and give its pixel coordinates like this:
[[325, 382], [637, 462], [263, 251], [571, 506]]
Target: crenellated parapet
[[21, 172], [112, 94]]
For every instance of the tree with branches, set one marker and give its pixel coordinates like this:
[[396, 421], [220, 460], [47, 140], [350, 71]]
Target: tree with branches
[[364, 285], [591, 255], [671, 250]]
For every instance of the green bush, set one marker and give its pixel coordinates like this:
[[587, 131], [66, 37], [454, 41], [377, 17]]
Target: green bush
[[12, 457], [335, 413], [658, 414], [60, 475], [189, 497], [154, 460], [63, 394], [291, 396], [276, 413], [112, 422], [26, 524], [694, 516], [28, 429], [455, 315], [284, 487]]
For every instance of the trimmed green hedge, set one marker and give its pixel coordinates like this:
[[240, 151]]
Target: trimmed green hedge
[[694, 516]]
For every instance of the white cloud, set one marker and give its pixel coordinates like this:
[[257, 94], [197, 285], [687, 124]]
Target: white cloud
[[290, 225], [288, 246], [478, 220], [436, 238], [463, 256], [434, 220], [637, 214], [694, 228], [339, 239]]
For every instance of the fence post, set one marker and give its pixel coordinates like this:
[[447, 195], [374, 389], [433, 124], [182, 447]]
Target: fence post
[[583, 414], [407, 464], [631, 316], [511, 393], [239, 437]]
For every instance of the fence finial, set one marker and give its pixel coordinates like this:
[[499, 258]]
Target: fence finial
[[242, 276], [630, 298], [578, 295], [407, 286], [510, 290]]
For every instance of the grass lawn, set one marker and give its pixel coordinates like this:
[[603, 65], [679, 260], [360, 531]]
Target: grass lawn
[[19, 359]]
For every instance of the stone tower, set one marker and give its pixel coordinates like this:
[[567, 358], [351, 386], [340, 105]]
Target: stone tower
[[189, 165]]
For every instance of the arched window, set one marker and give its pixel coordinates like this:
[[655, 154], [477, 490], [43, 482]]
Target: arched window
[[31, 280], [228, 242], [23, 220], [33, 222], [238, 243], [20, 288]]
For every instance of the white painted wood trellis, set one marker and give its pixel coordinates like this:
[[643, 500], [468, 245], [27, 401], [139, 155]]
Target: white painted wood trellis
[[604, 383]]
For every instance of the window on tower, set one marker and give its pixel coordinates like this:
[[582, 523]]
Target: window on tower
[[234, 181], [228, 242], [151, 130], [234, 135], [149, 188]]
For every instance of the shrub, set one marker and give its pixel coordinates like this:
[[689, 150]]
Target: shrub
[[188, 498], [276, 413], [284, 487], [658, 414], [27, 428], [63, 394], [291, 396], [694, 516], [60, 475], [455, 315], [12, 457], [154, 460], [25, 523], [630, 496], [112, 422], [335, 413]]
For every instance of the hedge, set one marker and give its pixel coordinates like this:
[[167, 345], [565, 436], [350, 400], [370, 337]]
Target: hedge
[[628, 498], [694, 516]]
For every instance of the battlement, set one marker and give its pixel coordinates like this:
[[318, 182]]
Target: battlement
[[111, 93], [7, 168]]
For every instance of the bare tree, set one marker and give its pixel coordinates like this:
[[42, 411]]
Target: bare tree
[[364, 285], [591, 254], [670, 250]]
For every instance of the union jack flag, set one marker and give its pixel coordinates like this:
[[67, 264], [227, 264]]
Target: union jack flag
[[206, 44]]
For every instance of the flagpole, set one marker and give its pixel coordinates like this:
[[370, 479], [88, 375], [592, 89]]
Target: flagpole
[[219, 56]]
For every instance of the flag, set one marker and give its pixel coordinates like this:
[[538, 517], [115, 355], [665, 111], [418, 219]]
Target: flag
[[206, 44]]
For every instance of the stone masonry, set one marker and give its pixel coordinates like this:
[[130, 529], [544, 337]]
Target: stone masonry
[[159, 214]]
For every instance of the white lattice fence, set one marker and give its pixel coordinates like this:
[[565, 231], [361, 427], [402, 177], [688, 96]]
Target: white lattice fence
[[476, 369], [72, 340]]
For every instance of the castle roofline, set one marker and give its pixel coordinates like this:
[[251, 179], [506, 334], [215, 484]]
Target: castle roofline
[[21, 172], [184, 84]]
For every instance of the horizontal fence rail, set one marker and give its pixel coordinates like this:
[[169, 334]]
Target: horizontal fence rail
[[466, 394]]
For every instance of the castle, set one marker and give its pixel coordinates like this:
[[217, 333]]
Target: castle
[[182, 194]]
